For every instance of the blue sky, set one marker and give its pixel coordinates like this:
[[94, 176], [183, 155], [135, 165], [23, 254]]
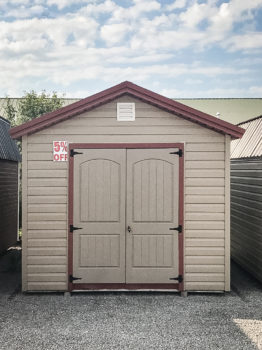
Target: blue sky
[[181, 48]]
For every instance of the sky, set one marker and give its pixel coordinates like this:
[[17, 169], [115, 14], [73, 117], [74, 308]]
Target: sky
[[181, 48]]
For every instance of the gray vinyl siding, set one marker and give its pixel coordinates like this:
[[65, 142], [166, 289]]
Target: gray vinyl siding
[[8, 203], [45, 192], [246, 218]]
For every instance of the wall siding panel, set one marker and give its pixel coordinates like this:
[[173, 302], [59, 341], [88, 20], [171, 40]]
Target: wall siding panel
[[246, 218], [204, 191], [8, 203]]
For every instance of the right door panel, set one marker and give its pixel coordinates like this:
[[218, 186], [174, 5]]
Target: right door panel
[[152, 209]]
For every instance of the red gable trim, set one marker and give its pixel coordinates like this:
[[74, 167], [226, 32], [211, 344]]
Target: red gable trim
[[110, 94]]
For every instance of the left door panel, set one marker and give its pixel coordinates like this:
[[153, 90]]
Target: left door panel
[[99, 210]]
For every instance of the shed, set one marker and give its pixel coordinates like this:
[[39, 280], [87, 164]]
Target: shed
[[9, 158], [142, 201], [246, 198]]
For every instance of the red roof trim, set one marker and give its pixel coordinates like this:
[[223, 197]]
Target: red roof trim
[[110, 94]]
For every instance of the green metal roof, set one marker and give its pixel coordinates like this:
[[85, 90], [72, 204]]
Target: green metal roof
[[233, 110]]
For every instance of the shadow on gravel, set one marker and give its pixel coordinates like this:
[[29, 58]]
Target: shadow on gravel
[[10, 272], [244, 284]]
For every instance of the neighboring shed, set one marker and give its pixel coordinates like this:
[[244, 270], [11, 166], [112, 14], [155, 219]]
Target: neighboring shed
[[143, 201], [246, 198], [9, 158]]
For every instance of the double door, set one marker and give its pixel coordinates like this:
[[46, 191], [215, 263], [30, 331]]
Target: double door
[[125, 201]]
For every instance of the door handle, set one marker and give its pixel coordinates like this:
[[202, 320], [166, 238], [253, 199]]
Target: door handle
[[129, 229]]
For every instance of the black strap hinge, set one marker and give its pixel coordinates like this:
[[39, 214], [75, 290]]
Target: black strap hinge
[[72, 153], [73, 228], [179, 278], [179, 152], [72, 279], [178, 228]]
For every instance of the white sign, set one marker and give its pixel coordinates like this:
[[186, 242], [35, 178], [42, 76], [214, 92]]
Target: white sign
[[59, 151]]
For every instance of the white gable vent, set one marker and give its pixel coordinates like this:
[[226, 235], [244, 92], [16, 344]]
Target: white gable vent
[[126, 112]]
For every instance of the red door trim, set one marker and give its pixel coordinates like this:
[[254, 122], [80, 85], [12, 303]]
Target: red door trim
[[87, 286]]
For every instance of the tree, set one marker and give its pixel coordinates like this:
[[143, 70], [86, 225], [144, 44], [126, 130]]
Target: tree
[[10, 111], [31, 106]]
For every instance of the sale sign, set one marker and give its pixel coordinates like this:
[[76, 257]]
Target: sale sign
[[59, 151]]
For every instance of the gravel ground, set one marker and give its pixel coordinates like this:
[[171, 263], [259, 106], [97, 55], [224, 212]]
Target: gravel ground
[[132, 320]]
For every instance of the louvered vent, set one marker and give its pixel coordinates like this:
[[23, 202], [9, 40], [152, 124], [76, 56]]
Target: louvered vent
[[125, 112]]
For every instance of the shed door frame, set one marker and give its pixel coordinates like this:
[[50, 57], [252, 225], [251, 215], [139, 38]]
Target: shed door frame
[[115, 286]]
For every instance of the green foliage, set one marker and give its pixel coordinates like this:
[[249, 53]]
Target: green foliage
[[30, 106], [10, 111], [33, 105]]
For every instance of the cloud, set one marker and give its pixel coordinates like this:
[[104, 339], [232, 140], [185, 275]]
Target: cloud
[[60, 4], [134, 12], [178, 4], [23, 46], [171, 93], [114, 33], [14, 2], [77, 94], [191, 81], [170, 32], [132, 58], [216, 92], [249, 41], [25, 12], [229, 14], [196, 14], [21, 36], [166, 39], [110, 41], [71, 64], [199, 26], [255, 90]]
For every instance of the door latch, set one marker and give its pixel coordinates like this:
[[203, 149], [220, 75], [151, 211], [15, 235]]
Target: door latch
[[129, 229], [72, 279], [179, 278], [73, 228], [178, 228], [73, 153], [179, 152]]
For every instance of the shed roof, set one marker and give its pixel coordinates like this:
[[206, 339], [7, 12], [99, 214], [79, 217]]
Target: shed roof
[[8, 147], [129, 88], [232, 110], [251, 143]]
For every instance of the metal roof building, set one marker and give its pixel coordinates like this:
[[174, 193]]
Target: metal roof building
[[250, 145], [233, 110], [8, 147], [9, 158], [246, 198]]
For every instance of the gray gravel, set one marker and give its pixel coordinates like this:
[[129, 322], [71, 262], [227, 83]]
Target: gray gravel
[[131, 321]]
